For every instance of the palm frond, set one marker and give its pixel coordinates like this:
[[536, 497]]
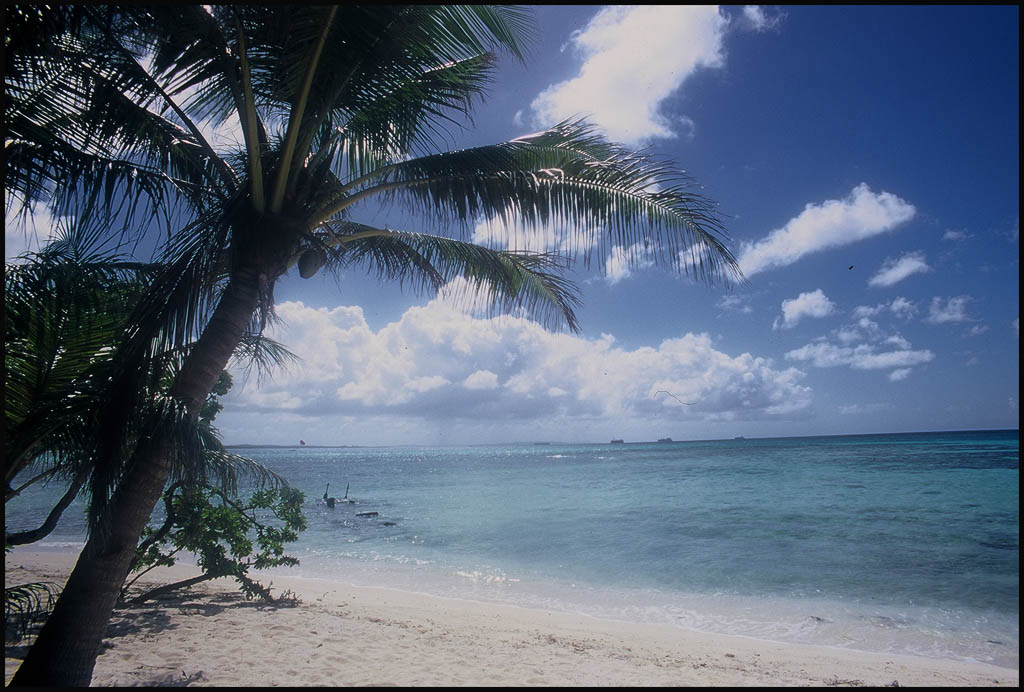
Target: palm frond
[[413, 66], [224, 470], [196, 450], [259, 352], [64, 308], [505, 280], [136, 82], [80, 128], [404, 80], [570, 177], [414, 114], [298, 109], [24, 606]]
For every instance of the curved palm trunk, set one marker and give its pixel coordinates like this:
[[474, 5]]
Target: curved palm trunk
[[65, 652]]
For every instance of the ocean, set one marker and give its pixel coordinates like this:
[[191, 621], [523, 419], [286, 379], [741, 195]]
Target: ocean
[[899, 543]]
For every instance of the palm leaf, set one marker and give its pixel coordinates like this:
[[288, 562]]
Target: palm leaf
[[80, 128], [259, 352], [26, 605], [506, 280], [363, 136], [567, 176], [63, 309]]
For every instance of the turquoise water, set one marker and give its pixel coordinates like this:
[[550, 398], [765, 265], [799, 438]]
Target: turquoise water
[[903, 543]]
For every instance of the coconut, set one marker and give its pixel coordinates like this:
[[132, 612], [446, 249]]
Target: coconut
[[310, 262]]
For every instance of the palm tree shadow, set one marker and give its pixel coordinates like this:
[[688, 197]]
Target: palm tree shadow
[[160, 614]]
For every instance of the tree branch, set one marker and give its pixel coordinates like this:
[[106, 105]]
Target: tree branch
[[31, 536]]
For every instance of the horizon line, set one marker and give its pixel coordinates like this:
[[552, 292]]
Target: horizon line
[[245, 445]]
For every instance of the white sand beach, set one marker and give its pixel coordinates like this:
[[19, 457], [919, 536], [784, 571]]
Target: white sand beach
[[341, 635]]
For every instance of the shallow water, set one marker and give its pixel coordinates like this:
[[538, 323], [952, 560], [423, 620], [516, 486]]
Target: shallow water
[[902, 543]]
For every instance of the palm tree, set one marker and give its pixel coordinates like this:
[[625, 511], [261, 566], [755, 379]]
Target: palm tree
[[64, 309], [338, 107], [62, 314]]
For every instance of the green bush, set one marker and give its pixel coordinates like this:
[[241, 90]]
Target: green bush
[[227, 537]]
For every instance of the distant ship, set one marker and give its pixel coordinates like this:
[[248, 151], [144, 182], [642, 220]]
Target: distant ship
[[739, 437], [664, 439], [618, 442]]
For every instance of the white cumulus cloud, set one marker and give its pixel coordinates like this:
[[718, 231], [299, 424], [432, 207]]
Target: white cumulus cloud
[[867, 311], [759, 20], [439, 364], [865, 345], [902, 307], [949, 310], [634, 57], [895, 270], [811, 304], [731, 302], [832, 223], [822, 354], [621, 262], [481, 379]]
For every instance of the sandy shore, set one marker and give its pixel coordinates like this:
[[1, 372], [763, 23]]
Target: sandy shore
[[345, 635]]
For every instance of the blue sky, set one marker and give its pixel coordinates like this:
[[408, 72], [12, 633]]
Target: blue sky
[[865, 160]]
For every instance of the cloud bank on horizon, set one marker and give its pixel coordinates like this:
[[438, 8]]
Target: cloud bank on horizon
[[439, 362]]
